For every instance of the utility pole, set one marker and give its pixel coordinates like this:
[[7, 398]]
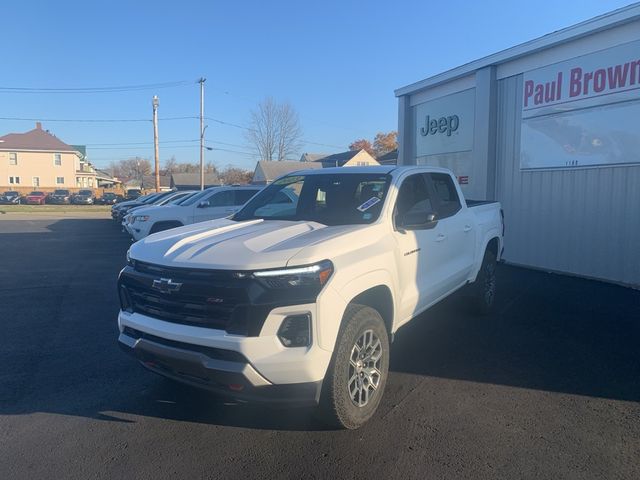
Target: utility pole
[[155, 103], [201, 82]]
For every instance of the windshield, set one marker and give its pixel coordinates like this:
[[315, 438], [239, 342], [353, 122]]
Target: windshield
[[331, 199], [109, 195], [37, 193], [194, 198], [85, 192], [179, 200], [61, 192]]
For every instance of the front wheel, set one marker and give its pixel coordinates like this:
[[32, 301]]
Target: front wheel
[[357, 375]]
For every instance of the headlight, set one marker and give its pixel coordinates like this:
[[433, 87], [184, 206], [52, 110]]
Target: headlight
[[129, 260], [315, 275], [140, 218]]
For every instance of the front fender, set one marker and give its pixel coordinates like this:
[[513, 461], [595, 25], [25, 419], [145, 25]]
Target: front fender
[[334, 300]]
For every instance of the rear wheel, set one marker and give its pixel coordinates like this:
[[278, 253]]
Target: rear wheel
[[484, 288], [357, 375]]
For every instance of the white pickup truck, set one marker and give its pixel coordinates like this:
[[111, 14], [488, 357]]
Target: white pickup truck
[[296, 297]]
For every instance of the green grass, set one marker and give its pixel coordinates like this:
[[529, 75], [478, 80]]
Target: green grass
[[53, 208]]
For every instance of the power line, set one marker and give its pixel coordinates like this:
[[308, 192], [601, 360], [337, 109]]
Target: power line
[[92, 120], [120, 88]]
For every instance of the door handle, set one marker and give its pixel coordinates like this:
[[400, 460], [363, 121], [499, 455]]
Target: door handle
[[440, 237], [467, 228]]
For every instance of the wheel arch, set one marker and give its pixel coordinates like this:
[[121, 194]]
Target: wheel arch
[[380, 299]]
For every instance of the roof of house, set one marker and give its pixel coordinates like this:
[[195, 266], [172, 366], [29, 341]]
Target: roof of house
[[36, 139], [149, 181], [193, 179], [104, 175], [612, 19], [274, 169], [389, 158], [312, 157], [339, 159]]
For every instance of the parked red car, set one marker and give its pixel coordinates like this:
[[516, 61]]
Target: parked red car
[[36, 198]]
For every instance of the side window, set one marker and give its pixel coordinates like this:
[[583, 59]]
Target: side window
[[243, 196], [222, 199], [446, 195], [413, 197]]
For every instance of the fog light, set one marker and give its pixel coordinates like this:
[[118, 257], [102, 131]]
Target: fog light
[[295, 331]]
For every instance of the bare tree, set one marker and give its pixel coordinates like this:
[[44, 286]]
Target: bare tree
[[275, 130]]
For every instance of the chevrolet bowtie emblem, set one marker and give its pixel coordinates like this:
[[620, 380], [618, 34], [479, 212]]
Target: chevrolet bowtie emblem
[[166, 285]]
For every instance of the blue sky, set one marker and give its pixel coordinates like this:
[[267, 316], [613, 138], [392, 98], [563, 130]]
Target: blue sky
[[336, 62]]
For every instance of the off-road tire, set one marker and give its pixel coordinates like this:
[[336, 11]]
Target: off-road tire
[[484, 288], [337, 408]]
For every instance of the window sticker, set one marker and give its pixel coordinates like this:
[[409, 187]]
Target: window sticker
[[368, 204], [367, 216]]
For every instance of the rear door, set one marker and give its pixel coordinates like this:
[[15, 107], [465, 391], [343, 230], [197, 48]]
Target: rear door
[[459, 227]]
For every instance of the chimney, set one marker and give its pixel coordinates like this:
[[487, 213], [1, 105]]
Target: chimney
[[38, 126]]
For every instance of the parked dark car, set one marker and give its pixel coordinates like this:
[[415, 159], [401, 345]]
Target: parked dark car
[[83, 197], [10, 198], [59, 197], [36, 198], [133, 193], [108, 199]]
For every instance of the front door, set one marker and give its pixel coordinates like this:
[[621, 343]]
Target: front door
[[217, 205], [419, 251]]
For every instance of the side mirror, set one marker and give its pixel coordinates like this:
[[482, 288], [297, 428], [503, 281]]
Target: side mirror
[[204, 204], [420, 220]]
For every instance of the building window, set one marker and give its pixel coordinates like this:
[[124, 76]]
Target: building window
[[57, 159], [60, 180], [36, 182], [13, 158], [14, 180], [90, 182]]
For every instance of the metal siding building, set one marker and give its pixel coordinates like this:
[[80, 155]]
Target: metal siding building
[[567, 175]]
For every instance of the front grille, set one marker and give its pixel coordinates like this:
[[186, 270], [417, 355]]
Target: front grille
[[207, 299]]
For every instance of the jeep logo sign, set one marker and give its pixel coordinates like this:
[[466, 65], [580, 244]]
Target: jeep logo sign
[[444, 125], [434, 126]]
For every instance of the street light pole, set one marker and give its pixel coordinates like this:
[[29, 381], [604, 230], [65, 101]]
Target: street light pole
[[155, 103], [201, 82]]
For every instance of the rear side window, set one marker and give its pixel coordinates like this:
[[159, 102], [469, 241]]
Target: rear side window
[[446, 195], [243, 196], [222, 199]]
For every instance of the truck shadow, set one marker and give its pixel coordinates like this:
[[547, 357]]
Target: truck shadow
[[548, 332], [59, 353]]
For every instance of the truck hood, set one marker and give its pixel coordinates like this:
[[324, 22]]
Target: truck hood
[[228, 245]]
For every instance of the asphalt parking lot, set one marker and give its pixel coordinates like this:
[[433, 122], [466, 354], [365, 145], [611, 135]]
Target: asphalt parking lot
[[547, 387]]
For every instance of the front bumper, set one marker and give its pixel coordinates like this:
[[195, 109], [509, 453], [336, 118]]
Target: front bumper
[[257, 369], [58, 201], [221, 371]]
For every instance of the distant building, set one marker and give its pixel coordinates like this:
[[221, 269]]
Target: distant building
[[38, 159], [191, 181], [267, 171], [105, 179], [149, 182], [390, 158], [350, 158]]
